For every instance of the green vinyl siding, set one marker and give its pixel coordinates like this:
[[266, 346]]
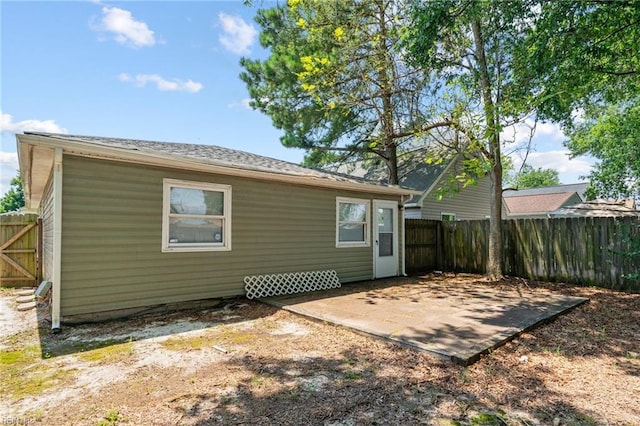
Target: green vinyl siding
[[112, 237], [471, 203], [47, 230]]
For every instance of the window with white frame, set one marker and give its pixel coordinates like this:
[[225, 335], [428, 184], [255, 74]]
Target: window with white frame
[[448, 217], [196, 216], [352, 222]]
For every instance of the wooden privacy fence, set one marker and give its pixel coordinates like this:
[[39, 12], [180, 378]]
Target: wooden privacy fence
[[422, 245], [19, 248], [592, 251]]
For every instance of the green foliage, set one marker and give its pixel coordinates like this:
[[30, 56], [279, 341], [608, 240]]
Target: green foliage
[[580, 53], [275, 89], [13, 200], [335, 81], [582, 56], [612, 135], [528, 177], [466, 173]]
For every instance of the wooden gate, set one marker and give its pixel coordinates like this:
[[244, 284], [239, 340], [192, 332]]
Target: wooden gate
[[422, 245], [19, 248]]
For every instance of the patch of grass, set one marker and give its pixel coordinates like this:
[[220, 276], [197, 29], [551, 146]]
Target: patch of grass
[[54, 348], [580, 420], [446, 422], [557, 351], [237, 337], [26, 355], [24, 373], [182, 343], [111, 419], [34, 380], [112, 353], [353, 375], [488, 419]]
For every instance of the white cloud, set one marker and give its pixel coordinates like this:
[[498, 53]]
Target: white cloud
[[8, 169], [237, 36], [125, 29], [173, 85], [9, 160], [8, 125], [570, 170], [560, 161], [241, 104], [521, 132]]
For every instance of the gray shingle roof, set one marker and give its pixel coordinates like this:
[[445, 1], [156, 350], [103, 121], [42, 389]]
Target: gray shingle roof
[[597, 208], [413, 172], [580, 188], [210, 154]]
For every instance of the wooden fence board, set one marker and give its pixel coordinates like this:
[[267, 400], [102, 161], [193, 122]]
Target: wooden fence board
[[422, 242], [589, 251]]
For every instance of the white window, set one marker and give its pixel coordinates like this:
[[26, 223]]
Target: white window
[[196, 216], [352, 222], [448, 217]]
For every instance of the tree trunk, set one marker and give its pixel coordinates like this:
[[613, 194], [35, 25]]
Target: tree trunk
[[494, 261], [386, 80], [392, 163]]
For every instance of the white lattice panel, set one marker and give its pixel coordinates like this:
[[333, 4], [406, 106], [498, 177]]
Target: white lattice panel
[[258, 286]]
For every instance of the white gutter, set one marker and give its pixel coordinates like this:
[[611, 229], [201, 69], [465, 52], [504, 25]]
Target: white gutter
[[57, 239], [404, 237]]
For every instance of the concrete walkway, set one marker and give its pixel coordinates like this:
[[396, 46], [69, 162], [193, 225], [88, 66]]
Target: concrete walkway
[[452, 319]]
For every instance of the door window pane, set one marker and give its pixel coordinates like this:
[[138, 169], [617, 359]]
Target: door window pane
[[385, 232], [385, 220], [385, 245]]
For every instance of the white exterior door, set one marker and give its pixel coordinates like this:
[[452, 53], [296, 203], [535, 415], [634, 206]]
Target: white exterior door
[[385, 234]]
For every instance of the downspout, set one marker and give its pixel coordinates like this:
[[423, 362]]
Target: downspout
[[404, 238], [57, 239]]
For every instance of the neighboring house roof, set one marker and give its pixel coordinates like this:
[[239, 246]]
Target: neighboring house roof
[[414, 174], [598, 208], [208, 158], [579, 188], [531, 204], [536, 201]]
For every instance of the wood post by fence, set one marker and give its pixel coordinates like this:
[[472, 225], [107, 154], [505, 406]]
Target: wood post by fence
[[588, 251]]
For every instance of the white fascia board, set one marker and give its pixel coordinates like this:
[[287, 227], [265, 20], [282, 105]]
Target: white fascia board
[[24, 164]]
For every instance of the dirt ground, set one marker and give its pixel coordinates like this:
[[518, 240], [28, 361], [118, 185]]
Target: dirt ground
[[249, 363]]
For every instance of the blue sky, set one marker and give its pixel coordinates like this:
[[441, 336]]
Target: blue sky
[[151, 70]]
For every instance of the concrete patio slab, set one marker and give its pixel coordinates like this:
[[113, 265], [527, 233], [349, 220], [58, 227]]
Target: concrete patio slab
[[450, 320]]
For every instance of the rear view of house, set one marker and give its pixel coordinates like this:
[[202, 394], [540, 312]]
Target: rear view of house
[[129, 224]]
